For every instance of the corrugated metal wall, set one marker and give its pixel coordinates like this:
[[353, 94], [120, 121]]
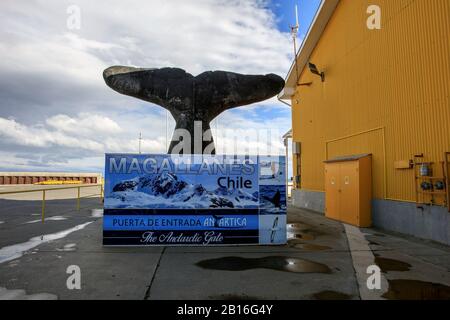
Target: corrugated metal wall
[[386, 92]]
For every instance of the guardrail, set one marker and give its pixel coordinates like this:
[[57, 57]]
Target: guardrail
[[44, 191]]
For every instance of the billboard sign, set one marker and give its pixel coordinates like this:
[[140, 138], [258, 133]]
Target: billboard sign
[[194, 200]]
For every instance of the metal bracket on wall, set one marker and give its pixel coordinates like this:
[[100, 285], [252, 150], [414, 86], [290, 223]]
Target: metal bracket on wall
[[426, 184]]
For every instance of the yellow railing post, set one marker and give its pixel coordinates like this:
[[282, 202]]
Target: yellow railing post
[[78, 199], [43, 206]]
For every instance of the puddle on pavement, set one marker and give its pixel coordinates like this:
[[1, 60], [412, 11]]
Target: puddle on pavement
[[96, 213], [387, 265], [295, 243], [298, 226], [20, 294], [274, 263], [300, 235], [331, 295], [301, 231], [416, 290], [68, 247], [16, 251]]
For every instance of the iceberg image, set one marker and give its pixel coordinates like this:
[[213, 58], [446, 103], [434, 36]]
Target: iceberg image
[[167, 190]]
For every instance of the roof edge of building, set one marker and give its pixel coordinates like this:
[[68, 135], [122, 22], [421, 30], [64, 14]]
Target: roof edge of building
[[315, 31]]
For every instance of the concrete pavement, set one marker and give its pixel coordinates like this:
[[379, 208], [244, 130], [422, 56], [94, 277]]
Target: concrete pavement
[[316, 264]]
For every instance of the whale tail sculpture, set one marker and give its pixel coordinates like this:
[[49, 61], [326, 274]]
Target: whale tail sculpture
[[193, 101]]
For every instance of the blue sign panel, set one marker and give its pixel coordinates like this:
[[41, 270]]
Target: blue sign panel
[[194, 200]]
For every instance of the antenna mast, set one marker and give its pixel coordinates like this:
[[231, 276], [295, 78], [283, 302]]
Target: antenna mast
[[294, 32], [140, 141], [167, 128]]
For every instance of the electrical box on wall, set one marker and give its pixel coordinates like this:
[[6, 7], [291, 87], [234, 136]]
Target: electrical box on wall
[[348, 189], [403, 164]]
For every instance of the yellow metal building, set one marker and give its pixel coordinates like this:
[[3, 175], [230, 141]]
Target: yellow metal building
[[386, 92]]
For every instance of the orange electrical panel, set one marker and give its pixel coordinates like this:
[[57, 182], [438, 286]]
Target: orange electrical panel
[[348, 189]]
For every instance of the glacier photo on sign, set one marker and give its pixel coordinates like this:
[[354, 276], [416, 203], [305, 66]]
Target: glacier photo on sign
[[172, 182]]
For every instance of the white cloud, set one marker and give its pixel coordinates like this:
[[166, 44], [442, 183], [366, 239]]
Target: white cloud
[[37, 136], [78, 43], [85, 124], [64, 131]]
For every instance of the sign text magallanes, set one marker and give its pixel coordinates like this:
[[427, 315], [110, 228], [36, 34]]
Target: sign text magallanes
[[186, 165]]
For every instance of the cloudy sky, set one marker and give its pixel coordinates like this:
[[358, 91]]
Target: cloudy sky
[[57, 114]]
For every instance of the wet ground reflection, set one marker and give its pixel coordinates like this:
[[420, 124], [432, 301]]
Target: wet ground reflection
[[298, 244], [401, 289], [301, 231], [278, 263], [387, 265], [331, 295]]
